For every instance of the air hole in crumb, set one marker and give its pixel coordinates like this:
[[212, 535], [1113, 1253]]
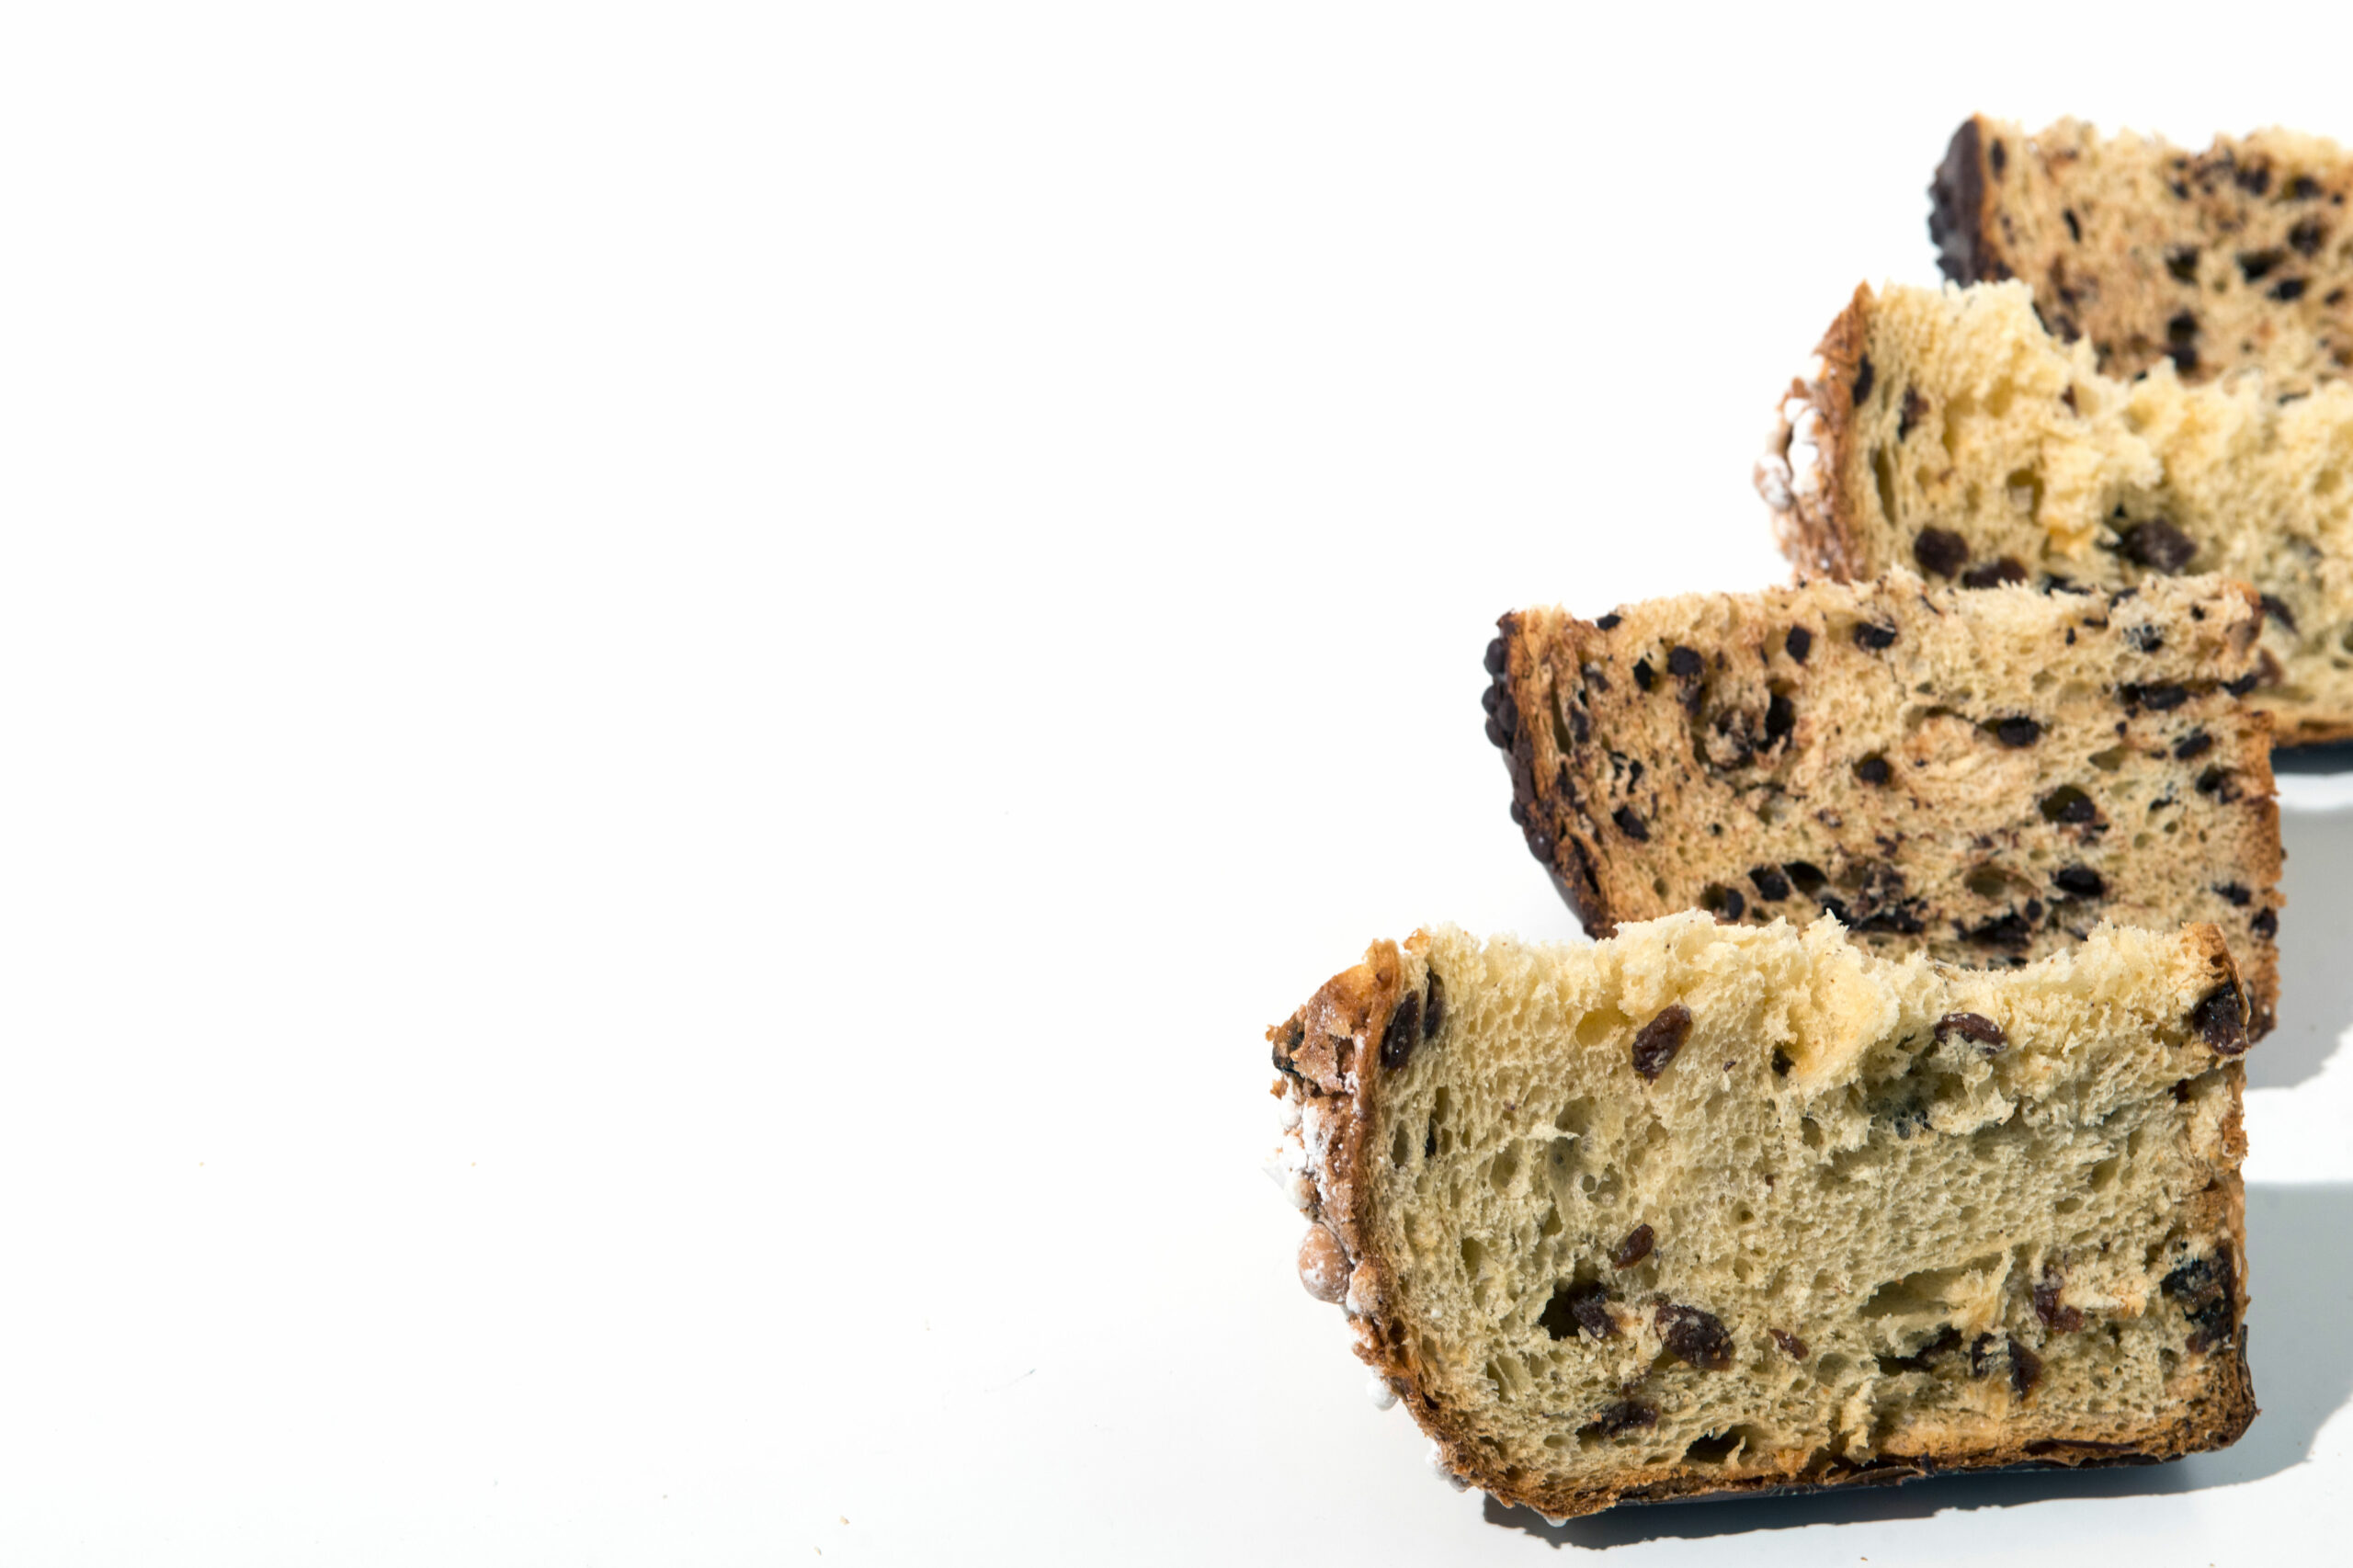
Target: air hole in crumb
[[1714, 1449]]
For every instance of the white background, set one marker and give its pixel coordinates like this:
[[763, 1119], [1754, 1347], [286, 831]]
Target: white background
[[678, 684]]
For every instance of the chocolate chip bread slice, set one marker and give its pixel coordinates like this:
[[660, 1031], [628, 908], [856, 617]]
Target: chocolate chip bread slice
[[2239, 256], [1708, 1207], [1982, 776], [1947, 430]]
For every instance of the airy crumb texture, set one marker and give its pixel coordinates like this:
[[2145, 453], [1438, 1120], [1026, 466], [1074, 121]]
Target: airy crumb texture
[[1983, 776], [1946, 431], [2240, 255], [1710, 1208]]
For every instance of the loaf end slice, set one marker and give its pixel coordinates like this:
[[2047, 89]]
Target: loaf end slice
[[1710, 1208], [1981, 776]]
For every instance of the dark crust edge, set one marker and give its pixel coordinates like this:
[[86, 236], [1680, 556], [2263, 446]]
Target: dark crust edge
[[1355, 1006], [1546, 824], [1960, 208]]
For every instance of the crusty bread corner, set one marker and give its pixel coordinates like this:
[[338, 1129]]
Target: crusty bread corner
[[1963, 221], [1329, 1055], [1808, 451]]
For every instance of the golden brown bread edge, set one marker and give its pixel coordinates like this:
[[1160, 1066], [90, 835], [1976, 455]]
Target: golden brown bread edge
[[1549, 821], [1330, 1050]]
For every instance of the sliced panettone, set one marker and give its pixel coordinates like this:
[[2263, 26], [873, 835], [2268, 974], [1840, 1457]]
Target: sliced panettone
[[1708, 1207], [1946, 431], [1983, 776]]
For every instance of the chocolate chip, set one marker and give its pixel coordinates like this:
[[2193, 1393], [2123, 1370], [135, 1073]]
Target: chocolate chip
[[2276, 608], [2254, 265], [1780, 718], [1862, 381], [1940, 550], [2235, 893], [1914, 405], [2206, 1289], [2158, 545], [2068, 804], [2017, 731], [2059, 1319], [2075, 230], [2026, 1370], [1770, 884], [2221, 1021], [1434, 1013], [2212, 780], [2288, 288], [1798, 643], [1723, 901], [1980, 1356], [2252, 177], [1635, 1248], [1615, 1420], [2184, 357], [1792, 1345], [1807, 875], [1872, 636], [1872, 770], [1610, 622], [2147, 639], [1658, 1041], [1578, 1306], [2265, 923], [2010, 932], [1975, 1027], [2081, 881], [2006, 570], [2302, 188], [1683, 663], [1631, 825], [1498, 656], [1404, 1031], [1782, 1063], [2182, 262], [2198, 743], [2245, 682], [2155, 698], [1644, 676], [2182, 327], [2306, 236], [1696, 1336]]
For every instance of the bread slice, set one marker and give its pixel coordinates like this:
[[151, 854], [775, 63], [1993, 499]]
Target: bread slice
[[1983, 776], [2239, 256], [1708, 1207], [1946, 431]]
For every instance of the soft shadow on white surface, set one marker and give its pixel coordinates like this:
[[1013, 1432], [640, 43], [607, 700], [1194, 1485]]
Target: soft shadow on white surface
[[2300, 1247], [2315, 981]]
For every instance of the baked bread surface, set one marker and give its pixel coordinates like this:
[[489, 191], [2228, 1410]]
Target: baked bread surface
[[2240, 255], [1948, 433], [1710, 1208], [1981, 775]]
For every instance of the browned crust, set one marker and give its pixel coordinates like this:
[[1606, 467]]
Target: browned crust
[[1330, 1050], [1961, 205], [1814, 522], [1562, 845]]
